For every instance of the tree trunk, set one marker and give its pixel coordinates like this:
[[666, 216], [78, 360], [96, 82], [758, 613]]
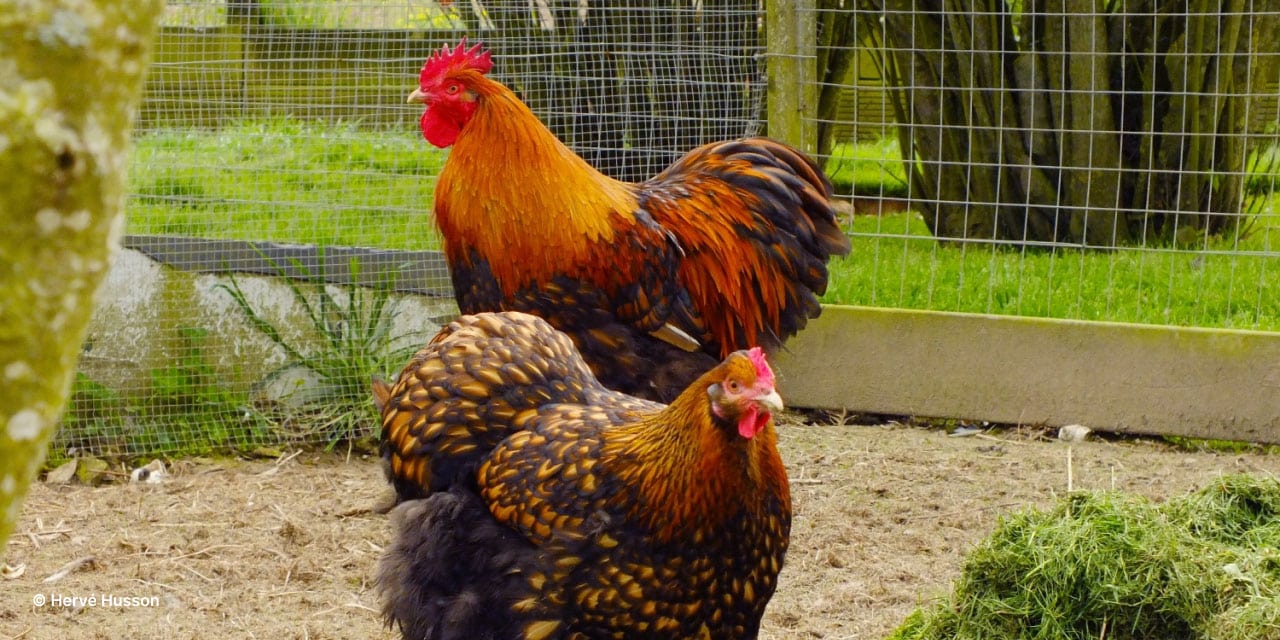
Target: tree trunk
[[72, 80], [836, 53], [1092, 126]]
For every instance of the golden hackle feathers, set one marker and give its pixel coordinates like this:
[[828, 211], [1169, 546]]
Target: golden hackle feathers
[[536, 201]]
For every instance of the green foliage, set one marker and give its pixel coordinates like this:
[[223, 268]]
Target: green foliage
[[350, 343], [322, 14], [1263, 167], [95, 414], [190, 408], [1111, 565], [1221, 446], [368, 14], [194, 13], [183, 381], [433, 18]]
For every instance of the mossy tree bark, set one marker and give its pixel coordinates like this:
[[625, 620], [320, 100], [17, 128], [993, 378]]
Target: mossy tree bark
[[72, 74], [1086, 121]]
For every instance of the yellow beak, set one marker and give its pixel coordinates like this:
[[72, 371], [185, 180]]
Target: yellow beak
[[771, 401], [417, 96]]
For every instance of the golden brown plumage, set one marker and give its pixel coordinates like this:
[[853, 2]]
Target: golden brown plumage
[[481, 378], [541, 504], [654, 281]]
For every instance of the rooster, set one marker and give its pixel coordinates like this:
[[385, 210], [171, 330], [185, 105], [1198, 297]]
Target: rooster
[[541, 505], [656, 281]]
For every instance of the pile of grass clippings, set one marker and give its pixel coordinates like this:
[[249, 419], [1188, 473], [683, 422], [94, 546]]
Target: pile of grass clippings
[[1116, 566]]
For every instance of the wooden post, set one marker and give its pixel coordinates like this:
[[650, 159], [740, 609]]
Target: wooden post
[[244, 17], [1126, 378], [791, 31]]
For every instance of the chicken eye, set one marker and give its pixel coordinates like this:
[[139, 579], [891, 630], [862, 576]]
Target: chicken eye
[[451, 89], [733, 386]]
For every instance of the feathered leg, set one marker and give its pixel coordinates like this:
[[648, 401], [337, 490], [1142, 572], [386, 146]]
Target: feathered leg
[[453, 573]]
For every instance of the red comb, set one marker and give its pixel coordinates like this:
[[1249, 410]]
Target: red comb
[[763, 373], [458, 58]]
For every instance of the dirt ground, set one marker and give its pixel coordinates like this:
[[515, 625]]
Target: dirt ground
[[287, 548]]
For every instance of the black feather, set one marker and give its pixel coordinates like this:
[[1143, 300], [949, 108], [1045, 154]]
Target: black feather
[[452, 572]]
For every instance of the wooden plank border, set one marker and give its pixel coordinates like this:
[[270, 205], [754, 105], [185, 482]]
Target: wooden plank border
[[1200, 383], [420, 272]]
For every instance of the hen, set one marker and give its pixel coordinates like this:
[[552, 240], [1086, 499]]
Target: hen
[[655, 281], [557, 508]]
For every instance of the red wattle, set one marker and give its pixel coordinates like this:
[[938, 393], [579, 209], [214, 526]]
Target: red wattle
[[438, 131], [752, 422]]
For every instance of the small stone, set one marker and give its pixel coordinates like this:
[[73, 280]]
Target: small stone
[[1074, 433], [62, 474], [12, 571]]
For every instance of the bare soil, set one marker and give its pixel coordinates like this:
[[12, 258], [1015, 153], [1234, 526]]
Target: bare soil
[[287, 548]]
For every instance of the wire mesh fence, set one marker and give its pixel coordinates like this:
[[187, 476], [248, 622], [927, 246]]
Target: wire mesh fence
[[272, 123], [1113, 164], [1099, 161]]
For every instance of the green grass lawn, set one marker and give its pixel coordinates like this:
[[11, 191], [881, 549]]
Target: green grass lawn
[[289, 181], [868, 169], [1221, 282], [286, 181], [896, 263]]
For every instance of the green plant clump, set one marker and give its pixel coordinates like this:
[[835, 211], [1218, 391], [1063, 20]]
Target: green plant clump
[[95, 419], [191, 408], [350, 344], [1115, 566]]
